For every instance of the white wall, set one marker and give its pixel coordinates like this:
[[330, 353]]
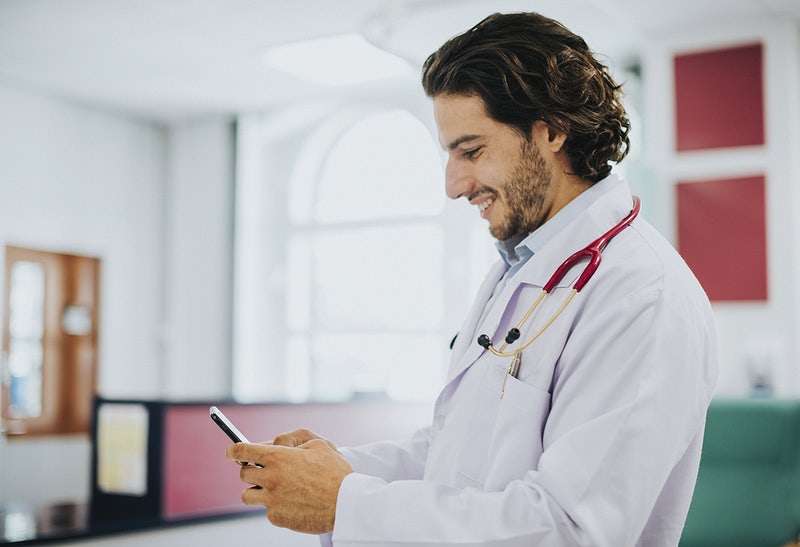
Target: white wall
[[764, 332], [155, 205], [75, 180], [199, 261], [28, 474]]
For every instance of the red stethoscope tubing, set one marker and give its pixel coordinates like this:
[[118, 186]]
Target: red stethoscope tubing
[[594, 252]]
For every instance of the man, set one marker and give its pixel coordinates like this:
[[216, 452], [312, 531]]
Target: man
[[595, 439]]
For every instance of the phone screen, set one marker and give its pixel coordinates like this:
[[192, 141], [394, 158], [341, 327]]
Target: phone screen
[[227, 426]]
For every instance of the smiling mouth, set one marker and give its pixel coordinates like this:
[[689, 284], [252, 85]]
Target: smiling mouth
[[482, 200], [482, 206]]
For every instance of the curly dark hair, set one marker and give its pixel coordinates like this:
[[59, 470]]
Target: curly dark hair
[[527, 67]]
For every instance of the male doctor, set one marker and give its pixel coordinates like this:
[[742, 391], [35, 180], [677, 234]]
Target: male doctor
[[595, 440]]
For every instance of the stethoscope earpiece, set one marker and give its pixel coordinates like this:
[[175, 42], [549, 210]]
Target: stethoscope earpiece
[[484, 341], [512, 335]]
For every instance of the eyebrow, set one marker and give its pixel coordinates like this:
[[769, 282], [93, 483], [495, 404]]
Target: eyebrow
[[465, 138]]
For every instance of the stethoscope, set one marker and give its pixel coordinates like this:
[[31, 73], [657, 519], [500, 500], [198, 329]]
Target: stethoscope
[[593, 252]]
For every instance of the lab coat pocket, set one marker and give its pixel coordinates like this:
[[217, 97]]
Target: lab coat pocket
[[506, 432]]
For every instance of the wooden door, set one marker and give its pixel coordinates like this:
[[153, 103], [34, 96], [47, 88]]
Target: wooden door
[[51, 303]]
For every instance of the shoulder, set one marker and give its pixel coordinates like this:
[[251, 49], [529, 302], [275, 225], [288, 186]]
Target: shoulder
[[640, 259]]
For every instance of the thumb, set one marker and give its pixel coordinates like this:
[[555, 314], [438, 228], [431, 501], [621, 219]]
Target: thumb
[[294, 438], [316, 444]]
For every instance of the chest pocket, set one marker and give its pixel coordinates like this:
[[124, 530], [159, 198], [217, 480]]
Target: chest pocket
[[505, 438]]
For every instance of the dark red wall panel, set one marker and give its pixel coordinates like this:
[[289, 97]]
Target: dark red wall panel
[[719, 98], [199, 481], [722, 235]]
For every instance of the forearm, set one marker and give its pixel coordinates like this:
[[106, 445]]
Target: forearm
[[373, 512], [391, 461]]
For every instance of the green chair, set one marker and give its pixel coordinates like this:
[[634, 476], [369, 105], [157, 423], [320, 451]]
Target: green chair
[[748, 487]]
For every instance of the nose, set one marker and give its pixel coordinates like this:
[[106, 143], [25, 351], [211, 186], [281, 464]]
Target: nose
[[458, 179]]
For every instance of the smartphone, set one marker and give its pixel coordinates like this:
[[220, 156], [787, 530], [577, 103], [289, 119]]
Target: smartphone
[[226, 425]]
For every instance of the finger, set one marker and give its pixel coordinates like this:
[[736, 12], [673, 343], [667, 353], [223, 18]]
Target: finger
[[258, 476], [315, 444], [233, 451], [316, 441], [229, 452], [320, 444], [248, 474], [294, 438], [257, 454], [254, 496]]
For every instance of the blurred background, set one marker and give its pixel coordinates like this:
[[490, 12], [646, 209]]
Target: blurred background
[[243, 200]]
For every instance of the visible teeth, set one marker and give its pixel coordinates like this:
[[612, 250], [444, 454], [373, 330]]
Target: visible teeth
[[485, 204]]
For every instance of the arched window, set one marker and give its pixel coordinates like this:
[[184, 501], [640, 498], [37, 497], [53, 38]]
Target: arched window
[[364, 275], [384, 166], [361, 302]]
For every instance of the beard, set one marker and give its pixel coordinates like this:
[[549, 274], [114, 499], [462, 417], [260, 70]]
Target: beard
[[523, 192]]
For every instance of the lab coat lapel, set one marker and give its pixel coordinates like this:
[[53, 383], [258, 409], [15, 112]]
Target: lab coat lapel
[[466, 347], [535, 272], [469, 350], [466, 351]]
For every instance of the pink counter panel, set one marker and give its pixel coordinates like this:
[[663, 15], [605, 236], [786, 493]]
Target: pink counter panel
[[187, 450]]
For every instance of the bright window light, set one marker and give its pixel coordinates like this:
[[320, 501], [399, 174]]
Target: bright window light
[[337, 60]]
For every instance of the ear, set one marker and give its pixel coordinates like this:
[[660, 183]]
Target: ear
[[548, 136]]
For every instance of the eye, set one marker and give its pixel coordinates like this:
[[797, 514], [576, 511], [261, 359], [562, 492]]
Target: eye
[[472, 153]]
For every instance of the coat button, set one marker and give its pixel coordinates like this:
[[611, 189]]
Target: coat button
[[439, 422]]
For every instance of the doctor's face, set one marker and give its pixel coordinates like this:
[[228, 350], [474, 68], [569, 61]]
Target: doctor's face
[[490, 164]]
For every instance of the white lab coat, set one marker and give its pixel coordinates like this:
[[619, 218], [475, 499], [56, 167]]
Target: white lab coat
[[598, 441]]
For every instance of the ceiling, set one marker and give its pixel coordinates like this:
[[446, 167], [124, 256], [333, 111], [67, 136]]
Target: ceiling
[[173, 60]]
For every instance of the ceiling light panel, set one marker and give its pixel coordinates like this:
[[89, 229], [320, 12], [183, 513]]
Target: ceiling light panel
[[345, 59]]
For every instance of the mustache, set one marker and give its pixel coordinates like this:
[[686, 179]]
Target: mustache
[[483, 191]]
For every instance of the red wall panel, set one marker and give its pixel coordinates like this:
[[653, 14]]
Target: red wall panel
[[199, 481], [722, 235], [719, 98]]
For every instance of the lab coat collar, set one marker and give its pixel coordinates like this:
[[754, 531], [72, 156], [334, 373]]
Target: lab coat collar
[[567, 215], [601, 215], [607, 209]]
